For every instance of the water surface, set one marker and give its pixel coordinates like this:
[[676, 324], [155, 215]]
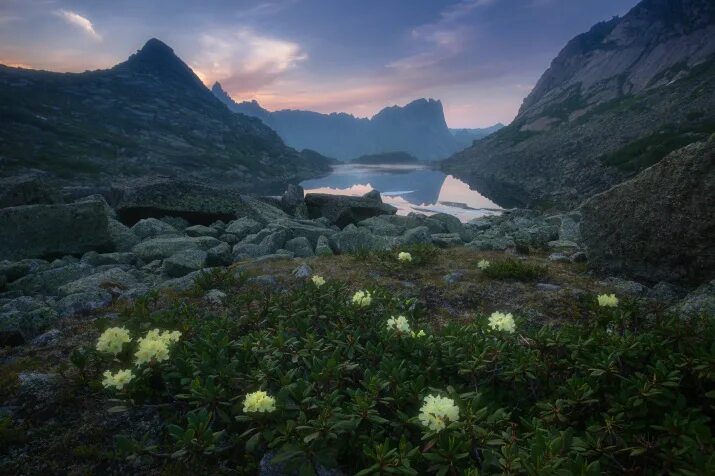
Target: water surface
[[410, 188]]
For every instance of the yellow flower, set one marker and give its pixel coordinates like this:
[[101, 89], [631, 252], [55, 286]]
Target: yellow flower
[[318, 280], [502, 322], [112, 340], [399, 324], [168, 337], [437, 412], [607, 300], [362, 298], [259, 401], [152, 348], [421, 333], [118, 380], [483, 264], [404, 256]]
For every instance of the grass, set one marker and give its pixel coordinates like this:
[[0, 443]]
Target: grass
[[517, 270]]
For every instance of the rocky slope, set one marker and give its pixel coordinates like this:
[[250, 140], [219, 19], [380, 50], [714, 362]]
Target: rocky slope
[[148, 115], [418, 128], [659, 225], [614, 101]]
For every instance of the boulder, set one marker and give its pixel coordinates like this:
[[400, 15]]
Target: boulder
[[185, 262], [102, 259], [243, 227], [14, 270], [322, 247], [116, 279], [197, 203], [49, 280], [353, 238], [35, 231], [122, 237], [161, 248], [260, 210], [26, 190], [300, 247], [219, 255], [292, 197], [498, 243], [153, 227], [446, 240], [83, 302], [419, 235], [303, 228], [700, 302], [659, 225], [343, 210], [201, 230]]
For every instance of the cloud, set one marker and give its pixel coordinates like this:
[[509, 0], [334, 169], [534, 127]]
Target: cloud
[[443, 39], [75, 19], [245, 61]]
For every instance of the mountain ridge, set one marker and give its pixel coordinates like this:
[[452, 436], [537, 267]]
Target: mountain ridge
[[418, 128], [614, 101], [148, 115]]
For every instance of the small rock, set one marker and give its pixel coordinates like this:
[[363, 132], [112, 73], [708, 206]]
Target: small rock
[[548, 287], [303, 271], [453, 277], [214, 296], [578, 257], [48, 338], [559, 258]]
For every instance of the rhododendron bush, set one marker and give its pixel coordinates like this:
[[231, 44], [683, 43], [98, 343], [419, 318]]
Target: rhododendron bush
[[328, 375]]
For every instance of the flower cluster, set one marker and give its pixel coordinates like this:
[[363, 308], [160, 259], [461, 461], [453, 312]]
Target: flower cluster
[[318, 280], [437, 412], [499, 321], [483, 264], [405, 257], [399, 324], [117, 380], [362, 298], [607, 300], [259, 402], [421, 333], [112, 340], [155, 346]]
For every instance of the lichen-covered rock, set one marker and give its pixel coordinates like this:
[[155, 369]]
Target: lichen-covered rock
[[201, 230], [322, 247], [300, 246], [122, 237], [659, 225], [243, 227], [83, 302], [353, 238], [26, 190], [219, 255], [446, 240], [36, 231], [161, 248], [152, 228], [185, 262], [343, 210]]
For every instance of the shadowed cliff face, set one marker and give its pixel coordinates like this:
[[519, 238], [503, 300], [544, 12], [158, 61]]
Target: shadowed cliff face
[[418, 128], [148, 115], [615, 100]]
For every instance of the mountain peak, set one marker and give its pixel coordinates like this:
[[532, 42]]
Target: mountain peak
[[157, 58]]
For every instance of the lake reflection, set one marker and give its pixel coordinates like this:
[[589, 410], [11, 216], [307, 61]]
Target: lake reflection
[[410, 188]]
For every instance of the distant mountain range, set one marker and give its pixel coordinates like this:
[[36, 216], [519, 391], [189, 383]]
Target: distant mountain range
[[148, 115], [418, 128], [614, 101], [465, 137]]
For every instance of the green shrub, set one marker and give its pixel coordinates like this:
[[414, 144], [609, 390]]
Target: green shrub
[[612, 393], [516, 270], [422, 255]]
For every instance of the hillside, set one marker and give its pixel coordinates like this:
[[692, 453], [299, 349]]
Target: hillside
[[148, 115], [418, 128], [616, 100]]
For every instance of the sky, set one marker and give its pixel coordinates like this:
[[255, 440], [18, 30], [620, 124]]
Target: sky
[[479, 57]]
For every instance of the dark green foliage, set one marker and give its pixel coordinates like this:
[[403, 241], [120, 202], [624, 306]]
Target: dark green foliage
[[613, 392], [422, 255], [648, 150], [516, 270]]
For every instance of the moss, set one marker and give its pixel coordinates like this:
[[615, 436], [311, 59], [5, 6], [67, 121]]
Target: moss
[[511, 269]]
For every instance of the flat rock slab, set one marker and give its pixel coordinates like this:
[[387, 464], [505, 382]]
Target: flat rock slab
[[38, 231], [162, 248], [343, 210]]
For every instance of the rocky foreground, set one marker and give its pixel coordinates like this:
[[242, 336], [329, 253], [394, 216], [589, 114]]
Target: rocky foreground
[[67, 259]]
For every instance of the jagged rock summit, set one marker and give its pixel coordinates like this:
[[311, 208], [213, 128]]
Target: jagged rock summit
[[418, 128]]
